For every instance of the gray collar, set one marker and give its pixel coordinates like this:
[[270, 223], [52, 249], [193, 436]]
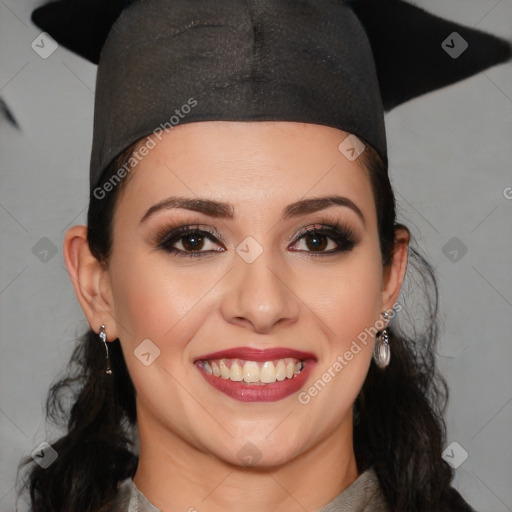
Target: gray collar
[[363, 495]]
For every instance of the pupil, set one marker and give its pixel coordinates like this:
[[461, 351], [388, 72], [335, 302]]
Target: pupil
[[196, 240], [317, 242]]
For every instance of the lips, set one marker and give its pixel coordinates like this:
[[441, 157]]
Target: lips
[[261, 355], [286, 371]]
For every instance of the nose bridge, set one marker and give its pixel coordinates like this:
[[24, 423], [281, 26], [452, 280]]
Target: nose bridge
[[258, 293]]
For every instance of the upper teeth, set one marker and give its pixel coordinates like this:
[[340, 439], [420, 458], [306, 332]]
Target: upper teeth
[[253, 371]]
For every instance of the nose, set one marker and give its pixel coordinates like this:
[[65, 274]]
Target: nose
[[260, 294]]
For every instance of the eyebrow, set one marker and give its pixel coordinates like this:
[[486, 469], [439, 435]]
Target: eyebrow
[[222, 210]]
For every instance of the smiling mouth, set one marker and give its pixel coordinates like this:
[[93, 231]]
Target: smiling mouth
[[253, 372], [250, 374]]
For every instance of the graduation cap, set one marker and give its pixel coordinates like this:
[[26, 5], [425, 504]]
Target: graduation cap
[[340, 63]]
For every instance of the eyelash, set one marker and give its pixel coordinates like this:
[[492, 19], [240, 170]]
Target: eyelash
[[340, 233]]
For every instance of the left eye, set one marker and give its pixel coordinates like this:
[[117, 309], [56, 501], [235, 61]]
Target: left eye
[[317, 241]]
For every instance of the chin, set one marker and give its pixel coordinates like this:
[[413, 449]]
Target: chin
[[260, 452]]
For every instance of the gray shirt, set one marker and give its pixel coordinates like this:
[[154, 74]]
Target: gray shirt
[[363, 495]]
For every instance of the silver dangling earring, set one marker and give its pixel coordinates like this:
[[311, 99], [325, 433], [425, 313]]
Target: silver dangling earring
[[381, 351], [103, 338]]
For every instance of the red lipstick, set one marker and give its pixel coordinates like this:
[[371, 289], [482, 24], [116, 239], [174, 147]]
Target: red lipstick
[[258, 392], [253, 354]]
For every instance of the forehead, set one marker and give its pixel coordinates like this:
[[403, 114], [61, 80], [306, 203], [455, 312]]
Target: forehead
[[248, 164]]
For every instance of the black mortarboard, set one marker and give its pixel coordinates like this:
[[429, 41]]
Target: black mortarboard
[[331, 62]]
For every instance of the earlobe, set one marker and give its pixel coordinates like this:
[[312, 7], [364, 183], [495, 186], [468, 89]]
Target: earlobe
[[90, 280], [394, 273]]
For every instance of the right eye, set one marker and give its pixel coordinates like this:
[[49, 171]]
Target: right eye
[[191, 238]]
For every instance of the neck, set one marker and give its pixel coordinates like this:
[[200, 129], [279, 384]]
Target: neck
[[174, 475]]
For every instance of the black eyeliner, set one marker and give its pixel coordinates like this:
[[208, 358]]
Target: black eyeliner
[[339, 232], [165, 237]]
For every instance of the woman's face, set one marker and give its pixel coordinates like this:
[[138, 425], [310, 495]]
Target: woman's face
[[261, 286]]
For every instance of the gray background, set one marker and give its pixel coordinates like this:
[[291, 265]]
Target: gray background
[[450, 163]]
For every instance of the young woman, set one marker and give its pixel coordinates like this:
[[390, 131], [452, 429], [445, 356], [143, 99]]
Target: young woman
[[241, 267]]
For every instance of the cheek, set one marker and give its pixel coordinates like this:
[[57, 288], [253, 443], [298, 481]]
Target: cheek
[[358, 293], [154, 301], [346, 296], [157, 300], [347, 302], [150, 297]]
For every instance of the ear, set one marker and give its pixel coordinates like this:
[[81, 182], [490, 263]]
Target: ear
[[90, 280], [394, 273]]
